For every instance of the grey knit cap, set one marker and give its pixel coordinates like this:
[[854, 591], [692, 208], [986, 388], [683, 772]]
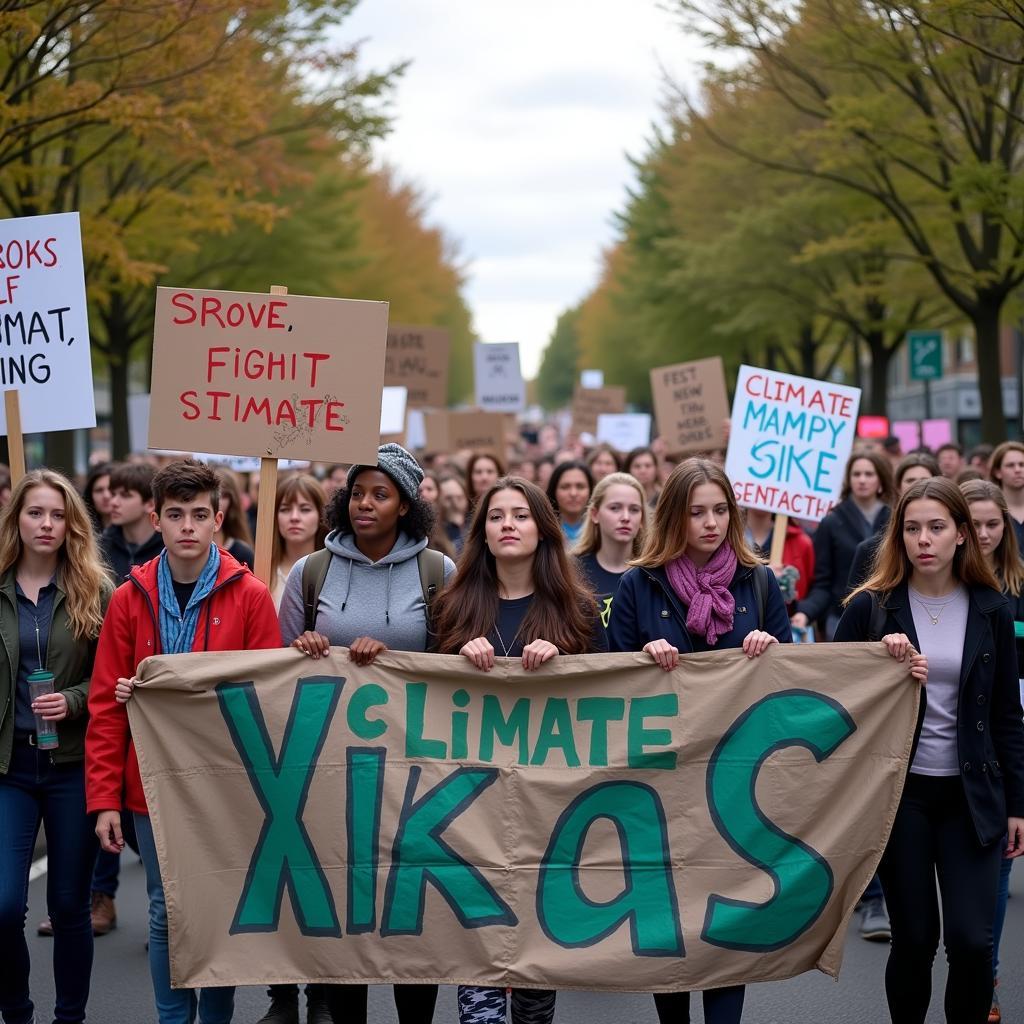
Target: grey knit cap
[[403, 469]]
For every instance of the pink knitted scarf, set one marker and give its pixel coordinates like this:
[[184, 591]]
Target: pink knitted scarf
[[711, 607]]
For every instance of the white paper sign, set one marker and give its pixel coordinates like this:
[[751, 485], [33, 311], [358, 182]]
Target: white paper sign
[[44, 325], [499, 381], [415, 430], [592, 379], [138, 421], [624, 430], [392, 410], [789, 443]]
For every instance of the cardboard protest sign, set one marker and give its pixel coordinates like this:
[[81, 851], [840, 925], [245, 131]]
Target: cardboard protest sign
[[589, 403], [44, 325], [597, 824], [268, 376], [790, 439], [624, 431], [498, 378], [691, 405], [456, 431], [417, 359]]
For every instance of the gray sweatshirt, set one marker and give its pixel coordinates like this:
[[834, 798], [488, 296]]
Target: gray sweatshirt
[[362, 598]]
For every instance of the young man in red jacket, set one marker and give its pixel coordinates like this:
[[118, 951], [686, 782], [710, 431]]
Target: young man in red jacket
[[192, 597]]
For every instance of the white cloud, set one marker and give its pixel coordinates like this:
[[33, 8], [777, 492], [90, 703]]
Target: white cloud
[[518, 121]]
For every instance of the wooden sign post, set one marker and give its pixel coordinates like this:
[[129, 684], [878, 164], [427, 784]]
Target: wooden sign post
[[778, 538], [266, 504], [15, 438]]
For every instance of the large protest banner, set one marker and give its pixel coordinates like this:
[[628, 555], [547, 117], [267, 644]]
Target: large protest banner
[[789, 442], [44, 323], [691, 405], [417, 359], [597, 824], [268, 376]]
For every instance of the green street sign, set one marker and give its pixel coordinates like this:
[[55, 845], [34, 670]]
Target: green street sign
[[925, 354]]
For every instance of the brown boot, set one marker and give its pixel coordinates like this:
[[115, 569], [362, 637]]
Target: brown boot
[[45, 928], [104, 916]]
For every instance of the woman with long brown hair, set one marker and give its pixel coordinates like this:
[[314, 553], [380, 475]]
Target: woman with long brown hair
[[53, 593], [234, 535], [698, 586], [301, 527], [935, 602], [863, 511], [482, 470], [516, 594], [998, 542]]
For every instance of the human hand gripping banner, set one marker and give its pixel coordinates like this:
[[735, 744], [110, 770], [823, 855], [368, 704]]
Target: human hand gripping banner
[[597, 824]]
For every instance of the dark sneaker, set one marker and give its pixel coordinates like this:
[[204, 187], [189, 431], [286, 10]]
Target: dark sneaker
[[874, 921], [317, 1011], [283, 1010], [45, 928], [104, 916]]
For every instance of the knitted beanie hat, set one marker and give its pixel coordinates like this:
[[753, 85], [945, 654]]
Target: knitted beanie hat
[[403, 469]]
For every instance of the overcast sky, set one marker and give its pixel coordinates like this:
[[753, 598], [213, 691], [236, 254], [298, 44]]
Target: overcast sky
[[516, 120]]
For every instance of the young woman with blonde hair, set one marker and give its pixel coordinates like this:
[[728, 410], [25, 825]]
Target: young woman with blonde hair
[[53, 593], [697, 586], [612, 535], [932, 591]]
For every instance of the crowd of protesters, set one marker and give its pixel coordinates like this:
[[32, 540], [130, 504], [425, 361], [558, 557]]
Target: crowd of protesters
[[550, 548]]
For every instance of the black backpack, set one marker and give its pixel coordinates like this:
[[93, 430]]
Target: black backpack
[[314, 572]]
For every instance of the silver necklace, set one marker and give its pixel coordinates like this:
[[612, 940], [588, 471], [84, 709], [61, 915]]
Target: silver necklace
[[934, 617], [505, 648]]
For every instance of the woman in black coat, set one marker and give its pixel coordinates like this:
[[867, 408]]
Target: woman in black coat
[[933, 592], [862, 512]]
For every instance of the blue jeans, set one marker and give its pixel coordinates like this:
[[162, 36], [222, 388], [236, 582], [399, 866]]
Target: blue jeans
[[35, 790], [173, 1005]]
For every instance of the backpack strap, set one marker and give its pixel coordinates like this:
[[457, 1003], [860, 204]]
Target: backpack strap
[[876, 623], [431, 566], [761, 592], [314, 572]]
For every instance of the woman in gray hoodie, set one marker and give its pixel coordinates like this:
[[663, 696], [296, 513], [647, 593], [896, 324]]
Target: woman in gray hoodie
[[371, 600]]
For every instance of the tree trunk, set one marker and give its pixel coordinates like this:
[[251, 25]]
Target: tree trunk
[[59, 451], [881, 354], [990, 385], [120, 440]]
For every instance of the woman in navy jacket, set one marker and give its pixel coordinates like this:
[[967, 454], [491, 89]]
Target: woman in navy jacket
[[932, 591], [697, 586]]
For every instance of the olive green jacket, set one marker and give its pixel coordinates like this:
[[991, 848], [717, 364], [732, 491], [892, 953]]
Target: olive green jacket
[[69, 660]]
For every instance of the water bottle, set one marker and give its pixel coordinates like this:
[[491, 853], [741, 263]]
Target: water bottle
[[39, 684]]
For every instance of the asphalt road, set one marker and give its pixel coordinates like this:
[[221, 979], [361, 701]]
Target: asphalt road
[[121, 992]]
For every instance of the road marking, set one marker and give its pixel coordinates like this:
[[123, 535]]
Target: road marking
[[37, 870]]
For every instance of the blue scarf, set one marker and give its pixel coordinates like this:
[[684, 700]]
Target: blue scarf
[[178, 631]]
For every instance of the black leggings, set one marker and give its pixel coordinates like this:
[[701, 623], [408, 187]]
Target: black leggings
[[415, 1003], [933, 832], [721, 1006]]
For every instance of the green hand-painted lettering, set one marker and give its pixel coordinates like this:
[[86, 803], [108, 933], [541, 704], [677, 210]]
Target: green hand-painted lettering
[[802, 878], [508, 730], [421, 855], [556, 731], [600, 711], [660, 705], [369, 695], [648, 897], [364, 791], [284, 855], [415, 713]]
